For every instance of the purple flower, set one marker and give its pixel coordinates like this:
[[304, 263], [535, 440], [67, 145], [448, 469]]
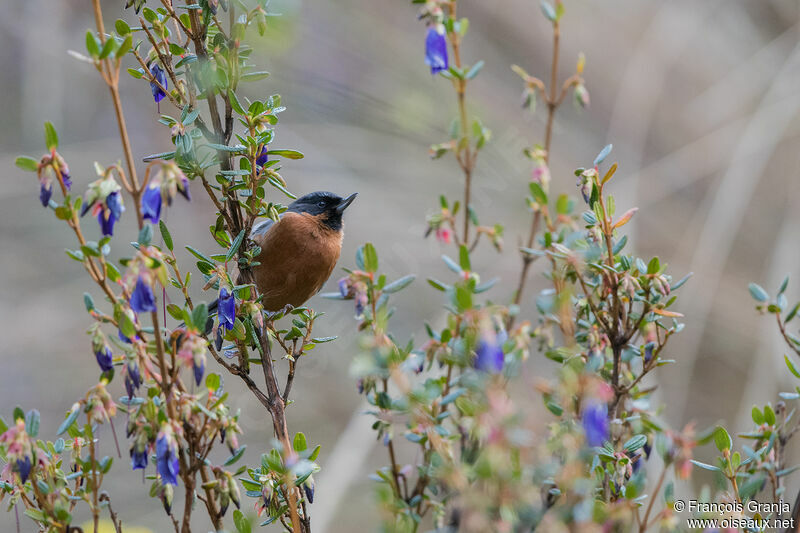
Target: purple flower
[[263, 157], [183, 188], [158, 74], [435, 50], [489, 356], [45, 192], [648, 352], [65, 176], [344, 287], [218, 338], [133, 379], [308, 488], [595, 423], [23, 467], [138, 458], [110, 213], [361, 302], [142, 299], [167, 458], [104, 358], [199, 367], [151, 203], [227, 309]]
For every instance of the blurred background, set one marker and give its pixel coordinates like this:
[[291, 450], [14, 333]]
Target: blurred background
[[699, 99]]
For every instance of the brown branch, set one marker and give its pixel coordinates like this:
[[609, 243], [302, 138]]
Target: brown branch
[[785, 335], [552, 105], [104, 497], [168, 6], [467, 159], [112, 81], [644, 523]]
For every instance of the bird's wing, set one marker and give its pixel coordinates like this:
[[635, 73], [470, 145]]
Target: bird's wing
[[261, 229]]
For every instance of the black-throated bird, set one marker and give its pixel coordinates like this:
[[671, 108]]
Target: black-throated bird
[[299, 251]]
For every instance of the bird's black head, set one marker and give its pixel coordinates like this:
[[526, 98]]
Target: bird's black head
[[325, 205]]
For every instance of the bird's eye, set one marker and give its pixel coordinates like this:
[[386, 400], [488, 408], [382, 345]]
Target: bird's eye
[[321, 203]]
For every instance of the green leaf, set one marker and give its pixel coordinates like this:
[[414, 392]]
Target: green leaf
[[88, 301], [50, 136], [474, 70], [436, 284], [784, 284], [125, 47], [235, 105], [315, 453], [603, 154], [190, 117], [200, 316], [212, 382], [750, 488], [200, 255], [769, 415], [548, 11], [288, 154], [241, 522], [236, 455], [35, 514], [234, 246], [757, 416], [126, 325], [92, 46], [122, 27], [107, 47], [791, 314], [653, 266], [399, 284], [463, 258], [370, 258], [634, 443], [563, 206], [165, 235], [706, 466], [463, 298], [26, 163], [145, 235], [224, 148], [299, 443], [175, 311], [538, 193], [32, 420], [722, 439], [254, 76], [758, 293], [452, 265], [792, 368]]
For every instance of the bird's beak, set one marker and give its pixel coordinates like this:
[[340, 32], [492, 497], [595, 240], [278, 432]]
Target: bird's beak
[[344, 204]]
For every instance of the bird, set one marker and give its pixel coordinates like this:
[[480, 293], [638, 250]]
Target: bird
[[299, 251], [298, 254]]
